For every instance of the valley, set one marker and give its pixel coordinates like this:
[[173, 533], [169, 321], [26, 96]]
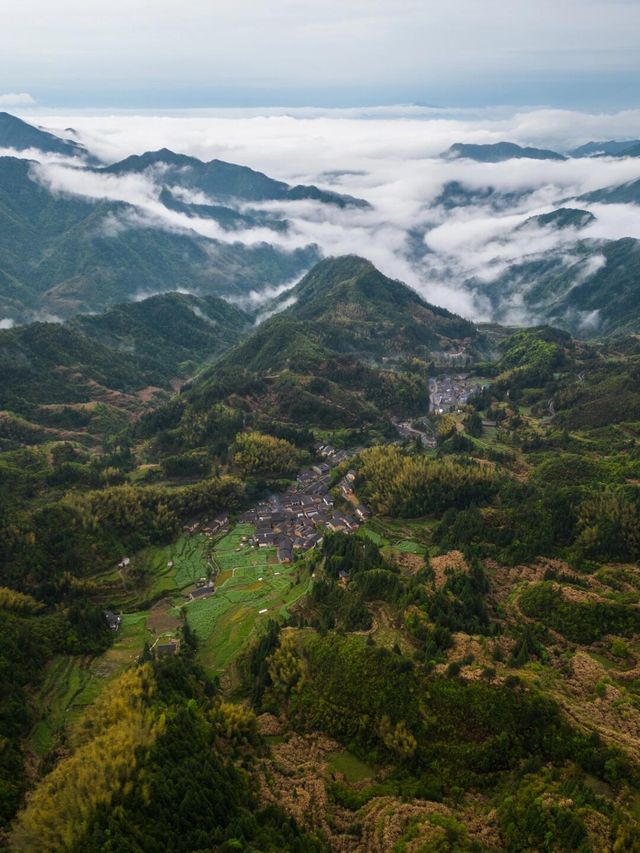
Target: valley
[[336, 569]]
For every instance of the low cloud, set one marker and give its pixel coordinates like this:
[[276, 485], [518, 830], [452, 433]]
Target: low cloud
[[7, 323], [390, 157], [256, 298]]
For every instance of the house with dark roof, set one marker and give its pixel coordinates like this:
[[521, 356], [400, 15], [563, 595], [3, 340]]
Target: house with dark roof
[[363, 512], [265, 540], [167, 647], [113, 620], [285, 551], [202, 592]]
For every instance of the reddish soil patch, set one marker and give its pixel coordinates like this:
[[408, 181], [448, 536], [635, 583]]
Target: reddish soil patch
[[160, 620], [446, 564], [147, 394]]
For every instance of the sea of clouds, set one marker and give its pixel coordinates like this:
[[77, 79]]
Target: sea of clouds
[[389, 156]]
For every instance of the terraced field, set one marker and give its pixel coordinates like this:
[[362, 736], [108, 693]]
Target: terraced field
[[251, 586], [71, 684], [188, 554]]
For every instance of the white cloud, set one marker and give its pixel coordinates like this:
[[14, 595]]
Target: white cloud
[[16, 99], [255, 298], [388, 156], [7, 323]]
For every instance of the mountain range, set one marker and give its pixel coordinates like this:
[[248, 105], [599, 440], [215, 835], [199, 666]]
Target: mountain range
[[64, 253], [223, 181], [592, 291], [608, 148], [55, 375]]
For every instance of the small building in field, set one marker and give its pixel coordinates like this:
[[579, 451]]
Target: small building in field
[[113, 620], [166, 647], [202, 592]]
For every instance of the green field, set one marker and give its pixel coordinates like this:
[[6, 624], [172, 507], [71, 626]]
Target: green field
[[395, 535], [249, 580], [353, 769], [370, 533], [189, 557], [408, 546], [71, 684]]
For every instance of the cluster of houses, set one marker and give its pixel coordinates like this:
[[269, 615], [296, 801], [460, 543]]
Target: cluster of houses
[[407, 431], [449, 393], [295, 520], [346, 487], [335, 456], [204, 588], [209, 528]]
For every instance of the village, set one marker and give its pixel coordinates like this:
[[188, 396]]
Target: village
[[293, 521], [450, 393]]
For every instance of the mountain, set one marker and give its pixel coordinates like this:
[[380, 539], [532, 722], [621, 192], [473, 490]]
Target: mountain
[[632, 150], [591, 291], [55, 374], [563, 217], [228, 218], [345, 305], [350, 354], [17, 134], [167, 333], [63, 254], [223, 181], [498, 152], [628, 193], [610, 148], [607, 301], [458, 194]]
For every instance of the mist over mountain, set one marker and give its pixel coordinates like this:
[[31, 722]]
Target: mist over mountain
[[223, 181], [608, 148], [628, 193], [456, 227], [498, 152], [21, 136]]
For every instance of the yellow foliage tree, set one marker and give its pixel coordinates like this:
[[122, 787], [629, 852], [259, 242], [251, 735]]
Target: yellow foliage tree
[[10, 599], [109, 741], [254, 452], [286, 667]]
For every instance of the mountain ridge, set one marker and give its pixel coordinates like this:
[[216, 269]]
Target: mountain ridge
[[498, 152], [20, 135], [223, 181]]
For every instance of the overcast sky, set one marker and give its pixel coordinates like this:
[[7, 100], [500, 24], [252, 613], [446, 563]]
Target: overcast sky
[[199, 53]]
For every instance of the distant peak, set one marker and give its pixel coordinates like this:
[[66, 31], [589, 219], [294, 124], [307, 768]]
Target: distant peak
[[496, 152], [166, 155]]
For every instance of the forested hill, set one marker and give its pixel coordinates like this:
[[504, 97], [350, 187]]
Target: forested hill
[[87, 375], [345, 305], [65, 254], [167, 330], [224, 181], [497, 152]]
